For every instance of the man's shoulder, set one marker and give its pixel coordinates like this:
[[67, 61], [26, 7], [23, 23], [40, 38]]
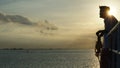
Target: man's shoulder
[[111, 17]]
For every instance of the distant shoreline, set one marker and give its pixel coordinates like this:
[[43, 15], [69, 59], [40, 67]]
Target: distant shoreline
[[44, 49]]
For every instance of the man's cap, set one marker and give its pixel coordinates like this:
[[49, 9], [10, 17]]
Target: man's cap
[[107, 8]]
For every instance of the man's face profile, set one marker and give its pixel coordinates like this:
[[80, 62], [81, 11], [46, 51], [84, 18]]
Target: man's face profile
[[104, 11]]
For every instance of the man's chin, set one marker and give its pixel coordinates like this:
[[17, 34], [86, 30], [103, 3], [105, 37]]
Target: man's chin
[[101, 16]]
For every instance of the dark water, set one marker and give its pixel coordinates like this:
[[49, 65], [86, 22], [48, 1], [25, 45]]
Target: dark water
[[48, 59]]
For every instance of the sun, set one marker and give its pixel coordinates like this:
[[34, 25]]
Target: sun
[[112, 11]]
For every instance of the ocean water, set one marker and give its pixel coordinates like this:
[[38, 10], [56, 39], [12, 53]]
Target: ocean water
[[48, 59]]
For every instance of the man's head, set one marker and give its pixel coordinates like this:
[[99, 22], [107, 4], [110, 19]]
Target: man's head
[[104, 11]]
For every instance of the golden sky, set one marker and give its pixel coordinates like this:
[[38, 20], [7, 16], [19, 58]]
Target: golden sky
[[76, 20]]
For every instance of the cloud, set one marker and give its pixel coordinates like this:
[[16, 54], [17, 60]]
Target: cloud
[[15, 19], [19, 19], [3, 18], [45, 24], [17, 22]]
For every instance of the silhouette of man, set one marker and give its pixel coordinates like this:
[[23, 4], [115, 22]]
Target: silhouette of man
[[109, 22]]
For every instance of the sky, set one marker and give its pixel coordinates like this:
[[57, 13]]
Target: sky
[[52, 23]]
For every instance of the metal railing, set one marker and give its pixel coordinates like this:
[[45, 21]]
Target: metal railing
[[110, 32], [113, 29]]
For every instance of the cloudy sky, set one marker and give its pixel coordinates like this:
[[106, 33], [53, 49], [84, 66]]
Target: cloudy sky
[[51, 23]]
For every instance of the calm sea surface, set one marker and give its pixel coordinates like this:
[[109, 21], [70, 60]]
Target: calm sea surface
[[48, 59]]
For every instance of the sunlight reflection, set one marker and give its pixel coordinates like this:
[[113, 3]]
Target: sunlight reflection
[[112, 11]]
